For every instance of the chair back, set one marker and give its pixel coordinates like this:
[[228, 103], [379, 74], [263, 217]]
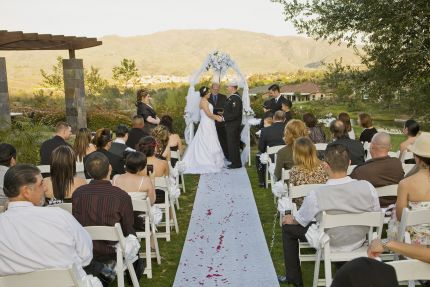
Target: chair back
[[321, 146], [59, 277], [393, 154], [175, 154], [66, 206], [407, 167], [80, 169], [374, 219], [388, 190], [46, 168], [161, 182], [302, 190], [411, 269], [350, 169], [108, 233], [141, 205], [285, 174], [411, 218], [274, 149], [406, 155]]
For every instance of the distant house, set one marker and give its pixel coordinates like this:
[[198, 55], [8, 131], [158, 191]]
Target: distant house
[[306, 91]]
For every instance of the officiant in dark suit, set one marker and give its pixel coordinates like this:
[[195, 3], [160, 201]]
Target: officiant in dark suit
[[276, 98], [233, 120], [218, 102]]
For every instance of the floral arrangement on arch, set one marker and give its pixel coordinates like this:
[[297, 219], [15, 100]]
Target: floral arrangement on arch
[[219, 62]]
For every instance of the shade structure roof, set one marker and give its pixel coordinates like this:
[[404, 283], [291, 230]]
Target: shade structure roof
[[18, 40]]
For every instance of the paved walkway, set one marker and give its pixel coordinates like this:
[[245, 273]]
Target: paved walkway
[[225, 243]]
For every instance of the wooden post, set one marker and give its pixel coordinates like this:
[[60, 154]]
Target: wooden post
[[74, 90], [5, 120]]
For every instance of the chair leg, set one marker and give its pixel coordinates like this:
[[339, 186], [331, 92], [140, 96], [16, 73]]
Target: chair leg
[[167, 220], [177, 203], [148, 258], [267, 176], [327, 267], [175, 220], [132, 273], [155, 241], [317, 268], [119, 267], [183, 182]]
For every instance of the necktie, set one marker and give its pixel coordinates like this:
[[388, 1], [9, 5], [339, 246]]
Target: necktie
[[215, 99]]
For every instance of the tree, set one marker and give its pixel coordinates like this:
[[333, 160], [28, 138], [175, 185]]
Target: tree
[[55, 79], [126, 74], [94, 83], [395, 36]]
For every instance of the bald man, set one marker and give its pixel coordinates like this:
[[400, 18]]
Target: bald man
[[381, 169]]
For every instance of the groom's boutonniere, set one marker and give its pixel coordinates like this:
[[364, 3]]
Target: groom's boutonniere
[[234, 104]]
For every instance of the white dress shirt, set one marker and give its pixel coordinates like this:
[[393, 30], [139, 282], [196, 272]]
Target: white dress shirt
[[34, 238], [310, 208], [121, 141]]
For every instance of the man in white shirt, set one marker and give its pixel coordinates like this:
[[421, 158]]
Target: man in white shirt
[[341, 194], [119, 146], [33, 237]]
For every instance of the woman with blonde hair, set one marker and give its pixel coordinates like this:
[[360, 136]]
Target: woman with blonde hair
[[307, 169], [82, 145], [284, 159], [63, 180], [161, 135]]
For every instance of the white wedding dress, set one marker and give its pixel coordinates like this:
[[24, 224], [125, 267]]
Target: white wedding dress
[[204, 154]]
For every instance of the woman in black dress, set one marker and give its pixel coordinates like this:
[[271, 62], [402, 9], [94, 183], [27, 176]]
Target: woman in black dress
[[369, 131], [145, 109]]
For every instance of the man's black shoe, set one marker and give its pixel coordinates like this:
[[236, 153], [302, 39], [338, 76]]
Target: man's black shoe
[[284, 280], [231, 166]]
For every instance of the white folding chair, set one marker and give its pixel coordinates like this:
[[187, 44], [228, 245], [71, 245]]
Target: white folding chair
[[373, 220], [406, 155], [393, 154], [176, 178], [366, 147], [407, 167], [177, 155], [411, 218], [321, 146], [412, 269], [163, 184], [285, 176], [46, 168], [66, 206], [80, 169], [58, 277], [271, 150], [297, 192], [388, 190], [149, 234], [350, 169], [114, 233]]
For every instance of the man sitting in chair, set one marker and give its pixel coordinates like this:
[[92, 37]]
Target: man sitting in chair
[[341, 194], [35, 237]]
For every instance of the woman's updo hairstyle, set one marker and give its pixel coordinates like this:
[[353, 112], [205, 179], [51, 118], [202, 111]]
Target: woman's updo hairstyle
[[141, 93], [147, 146], [203, 91], [103, 137]]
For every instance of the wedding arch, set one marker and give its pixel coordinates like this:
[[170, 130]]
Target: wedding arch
[[218, 63]]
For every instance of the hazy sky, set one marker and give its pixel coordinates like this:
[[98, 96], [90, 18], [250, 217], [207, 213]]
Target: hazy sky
[[134, 17]]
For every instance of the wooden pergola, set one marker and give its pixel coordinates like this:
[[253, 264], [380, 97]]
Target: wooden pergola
[[73, 70]]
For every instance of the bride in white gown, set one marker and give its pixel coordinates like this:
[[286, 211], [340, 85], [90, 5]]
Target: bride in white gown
[[204, 154]]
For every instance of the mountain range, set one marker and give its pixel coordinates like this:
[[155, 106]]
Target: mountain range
[[181, 52]]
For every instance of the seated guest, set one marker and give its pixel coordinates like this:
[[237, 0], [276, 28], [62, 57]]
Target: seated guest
[[340, 136], [414, 191], [136, 183], [155, 166], [346, 120], [136, 133], [34, 237], [411, 130], [7, 159], [286, 108], [270, 136], [175, 142], [366, 122], [307, 169], [63, 131], [316, 132], [63, 180], [381, 169], [161, 135], [83, 145], [413, 251], [284, 158], [101, 204], [134, 180], [365, 272], [103, 140], [341, 194], [118, 146], [267, 114]]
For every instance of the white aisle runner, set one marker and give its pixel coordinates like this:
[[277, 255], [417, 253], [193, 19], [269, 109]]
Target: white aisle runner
[[225, 243]]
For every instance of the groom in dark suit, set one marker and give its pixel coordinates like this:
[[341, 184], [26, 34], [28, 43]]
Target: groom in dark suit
[[233, 121], [218, 102]]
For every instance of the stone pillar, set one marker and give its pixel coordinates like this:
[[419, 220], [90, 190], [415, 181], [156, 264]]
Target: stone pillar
[[5, 120], [74, 90]]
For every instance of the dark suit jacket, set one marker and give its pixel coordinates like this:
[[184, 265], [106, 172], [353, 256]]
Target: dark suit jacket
[[134, 136], [220, 103], [115, 161], [276, 106], [146, 111], [355, 148], [233, 110], [48, 146], [118, 149], [271, 136]]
